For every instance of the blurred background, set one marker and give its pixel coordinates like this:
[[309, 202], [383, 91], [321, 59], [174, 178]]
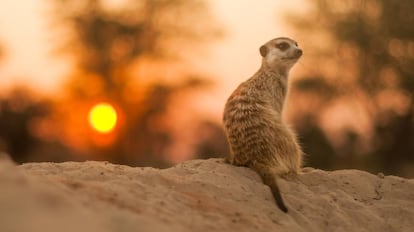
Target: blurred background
[[144, 82]]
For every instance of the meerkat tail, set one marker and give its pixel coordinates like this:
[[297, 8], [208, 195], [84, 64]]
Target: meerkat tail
[[271, 181]]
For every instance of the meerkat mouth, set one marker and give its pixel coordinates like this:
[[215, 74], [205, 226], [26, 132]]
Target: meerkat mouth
[[291, 58], [294, 57]]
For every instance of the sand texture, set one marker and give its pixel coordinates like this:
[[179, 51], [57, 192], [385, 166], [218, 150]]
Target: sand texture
[[198, 195]]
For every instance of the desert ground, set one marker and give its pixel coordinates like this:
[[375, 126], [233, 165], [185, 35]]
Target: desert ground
[[197, 195]]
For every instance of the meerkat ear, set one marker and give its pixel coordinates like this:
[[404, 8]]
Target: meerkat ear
[[263, 50]]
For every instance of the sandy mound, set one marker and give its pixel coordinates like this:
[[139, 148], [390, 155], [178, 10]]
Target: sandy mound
[[198, 195]]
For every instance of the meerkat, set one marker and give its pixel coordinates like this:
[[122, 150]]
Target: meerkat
[[258, 136]]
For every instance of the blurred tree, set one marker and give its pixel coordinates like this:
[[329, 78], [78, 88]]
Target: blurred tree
[[361, 94], [212, 142], [16, 112], [133, 56], [21, 122]]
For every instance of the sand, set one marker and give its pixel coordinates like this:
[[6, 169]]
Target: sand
[[198, 195]]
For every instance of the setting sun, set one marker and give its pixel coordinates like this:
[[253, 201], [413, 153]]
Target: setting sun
[[103, 117]]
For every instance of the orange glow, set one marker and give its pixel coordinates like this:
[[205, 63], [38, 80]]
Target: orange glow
[[103, 117]]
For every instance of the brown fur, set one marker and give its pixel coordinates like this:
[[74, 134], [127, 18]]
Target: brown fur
[[258, 136]]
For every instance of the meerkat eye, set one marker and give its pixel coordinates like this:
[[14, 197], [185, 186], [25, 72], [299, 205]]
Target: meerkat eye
[[282, 46]]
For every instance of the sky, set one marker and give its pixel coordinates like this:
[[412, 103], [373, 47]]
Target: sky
[[28, 43], [26, 40]]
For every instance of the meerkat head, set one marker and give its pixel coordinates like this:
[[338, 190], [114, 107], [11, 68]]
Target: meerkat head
[[280, 54]]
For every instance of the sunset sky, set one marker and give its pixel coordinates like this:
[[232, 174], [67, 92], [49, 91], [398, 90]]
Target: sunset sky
[[28, 39]]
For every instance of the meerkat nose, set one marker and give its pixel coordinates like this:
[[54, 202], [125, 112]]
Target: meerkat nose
[[299, 52]]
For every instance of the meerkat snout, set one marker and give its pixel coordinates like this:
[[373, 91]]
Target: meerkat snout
[[298, 53]]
